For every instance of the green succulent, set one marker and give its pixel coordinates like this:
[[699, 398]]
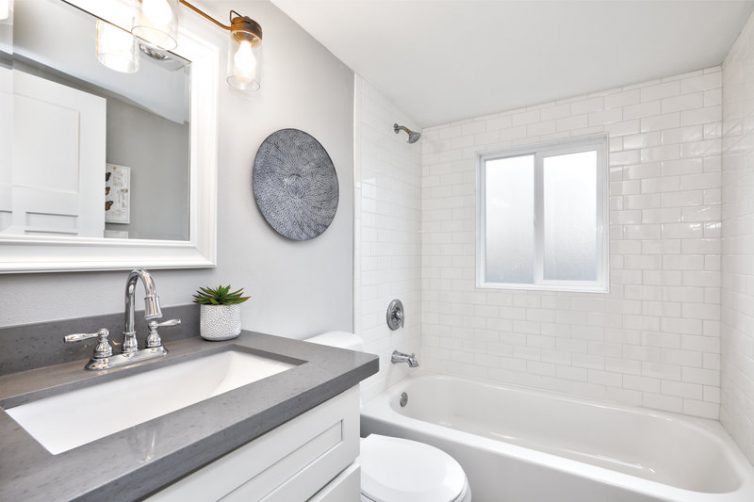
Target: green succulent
[[221, 295]]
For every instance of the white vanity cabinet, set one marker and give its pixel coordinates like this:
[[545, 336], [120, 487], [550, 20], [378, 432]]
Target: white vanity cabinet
[[310, 457]]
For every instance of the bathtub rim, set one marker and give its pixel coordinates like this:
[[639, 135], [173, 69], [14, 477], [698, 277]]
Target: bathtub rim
[[380, 408]]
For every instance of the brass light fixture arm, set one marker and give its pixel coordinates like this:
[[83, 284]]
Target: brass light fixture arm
[[243, 26], [207, 16]]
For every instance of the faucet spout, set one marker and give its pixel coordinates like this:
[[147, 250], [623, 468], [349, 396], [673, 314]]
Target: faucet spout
[[152, 309], [400, 357]]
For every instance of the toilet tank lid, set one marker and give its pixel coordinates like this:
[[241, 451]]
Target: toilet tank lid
[[340, 339]]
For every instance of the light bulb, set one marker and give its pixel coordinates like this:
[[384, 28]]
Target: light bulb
[[157, 12], [245, 55], [116, 48], [244, 62], [157, 23]]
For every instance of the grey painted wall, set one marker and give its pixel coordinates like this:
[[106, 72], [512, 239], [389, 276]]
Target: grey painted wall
[[157, 151], [298, 288]]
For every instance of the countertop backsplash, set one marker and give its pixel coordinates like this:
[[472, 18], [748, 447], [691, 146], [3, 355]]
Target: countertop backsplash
[[29, 346]]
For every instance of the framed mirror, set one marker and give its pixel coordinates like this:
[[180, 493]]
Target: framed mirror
[[107, 146]]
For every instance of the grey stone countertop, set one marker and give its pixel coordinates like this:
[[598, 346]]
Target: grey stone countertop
[[135, 462]]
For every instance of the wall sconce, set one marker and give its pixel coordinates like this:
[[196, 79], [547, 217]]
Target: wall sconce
[[116, 48], [156, 22], [244, 53]]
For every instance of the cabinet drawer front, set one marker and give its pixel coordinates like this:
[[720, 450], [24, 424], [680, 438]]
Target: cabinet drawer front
[[291, 462], [301, 472], [345, 488]]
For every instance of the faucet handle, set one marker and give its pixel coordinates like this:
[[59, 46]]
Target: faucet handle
[[395, 315], [167, 324], [103, 348], [153, 339]]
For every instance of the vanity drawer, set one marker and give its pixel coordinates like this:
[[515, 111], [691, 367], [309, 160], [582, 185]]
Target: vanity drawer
[[290, 463], [345, 488]]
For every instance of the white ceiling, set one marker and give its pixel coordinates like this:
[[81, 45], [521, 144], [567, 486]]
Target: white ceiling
[[441, 60]]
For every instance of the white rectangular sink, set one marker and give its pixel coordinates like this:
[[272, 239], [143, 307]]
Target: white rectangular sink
[[66, 421]]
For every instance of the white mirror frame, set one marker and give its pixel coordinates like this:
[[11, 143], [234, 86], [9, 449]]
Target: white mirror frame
[[21, 254]]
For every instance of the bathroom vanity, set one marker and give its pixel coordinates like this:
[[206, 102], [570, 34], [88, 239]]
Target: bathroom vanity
[[276, 419], [127, 178]]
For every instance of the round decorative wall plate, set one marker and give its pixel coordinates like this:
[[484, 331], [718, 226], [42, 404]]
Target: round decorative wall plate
[[295, 184]]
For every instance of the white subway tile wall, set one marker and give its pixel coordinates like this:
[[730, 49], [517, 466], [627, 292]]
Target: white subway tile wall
[[654, 340], [737, 408], [387, 236]]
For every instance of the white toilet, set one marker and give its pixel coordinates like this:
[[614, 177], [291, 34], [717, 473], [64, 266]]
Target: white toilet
[[400, 470]]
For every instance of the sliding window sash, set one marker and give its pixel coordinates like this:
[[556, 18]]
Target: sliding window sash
[[597, 144]]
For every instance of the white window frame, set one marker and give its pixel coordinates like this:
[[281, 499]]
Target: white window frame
[[539, 152]]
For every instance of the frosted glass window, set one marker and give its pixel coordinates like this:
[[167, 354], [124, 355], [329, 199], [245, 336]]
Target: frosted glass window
[[509, 213], [570, 217], [541, 218]]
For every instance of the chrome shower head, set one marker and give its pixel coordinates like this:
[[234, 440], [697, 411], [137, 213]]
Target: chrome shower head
[[413, 136]]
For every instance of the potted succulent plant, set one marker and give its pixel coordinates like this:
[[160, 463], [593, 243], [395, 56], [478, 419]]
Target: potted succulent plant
[[220, 315]]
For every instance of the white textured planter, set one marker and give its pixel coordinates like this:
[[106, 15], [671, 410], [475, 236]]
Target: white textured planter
[[220, 322]]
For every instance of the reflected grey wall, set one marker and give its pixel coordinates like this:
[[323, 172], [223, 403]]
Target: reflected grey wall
[[157, 151]]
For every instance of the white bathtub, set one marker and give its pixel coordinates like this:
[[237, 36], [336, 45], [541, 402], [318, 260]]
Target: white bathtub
[[520, 445]]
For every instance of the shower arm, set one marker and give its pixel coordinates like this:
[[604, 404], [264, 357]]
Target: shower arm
[[413, 136]]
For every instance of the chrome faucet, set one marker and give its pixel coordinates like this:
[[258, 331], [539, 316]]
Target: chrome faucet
[[103, 357], [152, 309], [400, 357]]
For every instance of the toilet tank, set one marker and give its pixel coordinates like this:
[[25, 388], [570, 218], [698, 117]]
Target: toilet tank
[[339, 339]]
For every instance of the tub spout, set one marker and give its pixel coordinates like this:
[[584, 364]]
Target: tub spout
[[400, 357]]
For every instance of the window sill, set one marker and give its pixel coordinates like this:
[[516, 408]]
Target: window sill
[[545, 287]]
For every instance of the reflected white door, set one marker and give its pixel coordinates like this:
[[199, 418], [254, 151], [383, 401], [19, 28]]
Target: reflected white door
[[57, 183]]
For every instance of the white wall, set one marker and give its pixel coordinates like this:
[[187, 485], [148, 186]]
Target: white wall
[[654, 339], [388, 238], [737, 407], [298, 288]]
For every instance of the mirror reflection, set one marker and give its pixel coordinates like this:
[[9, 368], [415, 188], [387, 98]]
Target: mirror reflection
[[94, 129]]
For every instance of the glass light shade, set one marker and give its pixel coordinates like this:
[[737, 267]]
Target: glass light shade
[[116, 48], [157, 23], [245, 60]]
